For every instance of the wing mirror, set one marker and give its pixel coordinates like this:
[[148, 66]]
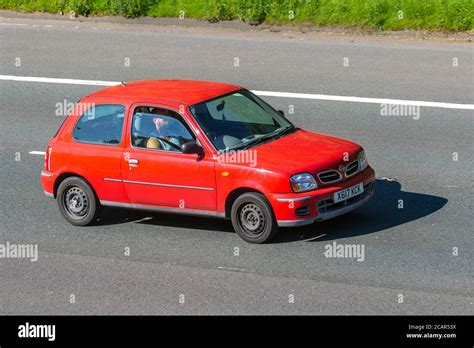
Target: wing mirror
[[281, 113], [220, 106], [192, 147]]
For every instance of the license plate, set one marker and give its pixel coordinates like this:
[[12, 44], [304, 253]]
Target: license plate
[[348, 192]]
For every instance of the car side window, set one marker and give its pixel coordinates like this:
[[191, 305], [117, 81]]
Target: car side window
[[159, 128], [100, 124]]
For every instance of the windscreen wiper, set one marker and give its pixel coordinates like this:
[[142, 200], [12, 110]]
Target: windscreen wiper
[[286, 131]]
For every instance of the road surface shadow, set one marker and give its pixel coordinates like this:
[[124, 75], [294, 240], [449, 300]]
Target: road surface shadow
[[112, 216], [381, 212]]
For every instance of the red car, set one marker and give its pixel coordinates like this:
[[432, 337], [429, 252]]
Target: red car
[[200, 148]]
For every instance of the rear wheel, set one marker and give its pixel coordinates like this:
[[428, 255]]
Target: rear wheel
[[77, 202], [253, 219]]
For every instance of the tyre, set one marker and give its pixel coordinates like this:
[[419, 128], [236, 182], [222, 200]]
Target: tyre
[[253, 219], [77, 202]]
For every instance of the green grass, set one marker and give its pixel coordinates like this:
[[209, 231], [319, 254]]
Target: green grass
[[448, 15]]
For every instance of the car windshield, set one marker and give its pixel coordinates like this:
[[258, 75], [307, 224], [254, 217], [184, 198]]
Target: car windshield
[[239, 120]]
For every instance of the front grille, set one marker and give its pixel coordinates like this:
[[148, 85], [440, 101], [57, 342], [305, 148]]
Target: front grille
[[328, 205], [352, 168], [329, 176], [332, 175]]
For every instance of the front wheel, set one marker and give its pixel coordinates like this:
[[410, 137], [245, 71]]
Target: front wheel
[[253, 219], [77, 202]]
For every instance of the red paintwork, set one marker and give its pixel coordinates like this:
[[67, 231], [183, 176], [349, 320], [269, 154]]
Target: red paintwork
[[302, 151], [182, 91]]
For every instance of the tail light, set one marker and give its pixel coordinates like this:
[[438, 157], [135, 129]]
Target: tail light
[[47, 158]]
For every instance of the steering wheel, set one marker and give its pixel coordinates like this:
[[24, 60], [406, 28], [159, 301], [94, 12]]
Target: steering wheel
[[169, 143]]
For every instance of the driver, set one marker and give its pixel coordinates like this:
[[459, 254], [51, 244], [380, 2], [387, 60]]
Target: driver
[[160, 138]]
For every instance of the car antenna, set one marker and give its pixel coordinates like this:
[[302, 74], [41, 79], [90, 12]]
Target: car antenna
[[123, 83]]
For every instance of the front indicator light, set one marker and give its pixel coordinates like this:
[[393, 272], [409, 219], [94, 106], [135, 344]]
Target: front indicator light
[[363, 162]]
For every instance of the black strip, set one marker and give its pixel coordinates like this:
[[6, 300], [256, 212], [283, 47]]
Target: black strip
[[140, 330]]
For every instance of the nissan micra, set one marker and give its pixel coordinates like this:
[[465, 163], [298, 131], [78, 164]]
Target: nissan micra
[[200, 148]]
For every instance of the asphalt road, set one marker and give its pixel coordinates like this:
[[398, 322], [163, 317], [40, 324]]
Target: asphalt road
[[408, 251]]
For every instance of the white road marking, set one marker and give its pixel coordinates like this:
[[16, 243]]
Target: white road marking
[[144, 219], [234, 269], [17, 24], [366, 100], [55, 80], [320, 236], [262, 93], [37, 153], [386, 178]]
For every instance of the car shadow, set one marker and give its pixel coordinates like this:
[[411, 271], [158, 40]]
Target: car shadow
[[112, 216], [381, 212]]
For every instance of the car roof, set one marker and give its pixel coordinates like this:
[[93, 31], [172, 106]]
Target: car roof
[[183, 91]]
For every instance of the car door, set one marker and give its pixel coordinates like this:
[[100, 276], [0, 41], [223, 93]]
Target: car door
[[156, 173]]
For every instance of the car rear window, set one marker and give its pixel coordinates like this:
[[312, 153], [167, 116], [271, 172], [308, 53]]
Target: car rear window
[[100, 124]]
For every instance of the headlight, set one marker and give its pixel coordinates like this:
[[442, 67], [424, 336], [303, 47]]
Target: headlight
[[303, 182], [363, 162]]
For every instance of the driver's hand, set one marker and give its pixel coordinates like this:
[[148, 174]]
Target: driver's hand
[[153, 143]]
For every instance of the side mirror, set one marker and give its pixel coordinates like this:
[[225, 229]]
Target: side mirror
[[281, 113], [191, 147], [220, 106]]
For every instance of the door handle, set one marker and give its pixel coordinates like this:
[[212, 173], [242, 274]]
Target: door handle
[[132, 161]]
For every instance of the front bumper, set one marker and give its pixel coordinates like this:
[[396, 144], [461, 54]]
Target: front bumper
[[306, 208]]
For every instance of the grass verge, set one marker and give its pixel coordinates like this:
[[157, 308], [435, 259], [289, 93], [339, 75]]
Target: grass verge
[[446, 15]]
